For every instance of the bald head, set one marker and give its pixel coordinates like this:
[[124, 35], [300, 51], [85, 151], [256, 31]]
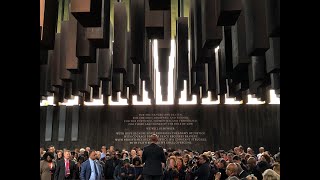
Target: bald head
[[154, 138], [232, 169], [261, 149]]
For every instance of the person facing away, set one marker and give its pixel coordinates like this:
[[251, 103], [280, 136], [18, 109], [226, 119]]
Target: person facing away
[[90, 169], [153, 157]]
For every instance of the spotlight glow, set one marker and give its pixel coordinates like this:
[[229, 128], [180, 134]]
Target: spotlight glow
[[47, 102], [71, 102], [95, 102], [273, 97], [231, 100], [207, 100], [158, 97], [170, 75], [252, 100], [121, 102]]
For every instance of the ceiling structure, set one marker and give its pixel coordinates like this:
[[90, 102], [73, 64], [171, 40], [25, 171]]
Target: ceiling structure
[[106, 48]]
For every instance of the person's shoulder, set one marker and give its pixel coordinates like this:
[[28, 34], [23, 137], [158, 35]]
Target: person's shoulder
[[159, 147], [85, 162], [146, 147]]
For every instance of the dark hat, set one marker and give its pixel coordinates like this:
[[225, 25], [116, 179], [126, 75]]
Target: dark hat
[[48, 154]]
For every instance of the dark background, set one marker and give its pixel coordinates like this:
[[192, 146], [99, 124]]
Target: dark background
[[226, 126]]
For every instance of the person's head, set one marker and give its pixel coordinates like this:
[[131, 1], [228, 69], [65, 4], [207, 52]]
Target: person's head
[[172, 162], [98, 155], [251, 162], [232, 169], [176, 153], [250, 151], [59, 154], [261, 149], [133, 153], [236, 159], [76, 155], [48, 156], [80, 159], [117, 156], [179, 162], [154, 138], [111, 148], [223, 155], [103, 149], [140, 152], [203, 159], [82, 150], [66, 154], [186, 159], [241, 149], [270, 174], [136, 161], [41, 151], [108, 155], [51, 149], [124, 155], [86, 154], [242, 155], [92, 154], [265, 157], [247, 156], [277, 157], [217, 155], [222, 164], [88, 149], [236, 150], [276, 168], [230, 157]]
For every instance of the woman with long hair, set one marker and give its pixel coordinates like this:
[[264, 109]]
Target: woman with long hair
[[171, 172], [181, 168]]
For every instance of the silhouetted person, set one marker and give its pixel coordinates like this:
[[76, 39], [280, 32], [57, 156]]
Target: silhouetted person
[[153, 156]]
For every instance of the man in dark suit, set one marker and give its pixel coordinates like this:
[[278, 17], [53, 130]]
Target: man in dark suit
[[90, 169], [203, 172], [66, 168], [153, 157], [242, 174]]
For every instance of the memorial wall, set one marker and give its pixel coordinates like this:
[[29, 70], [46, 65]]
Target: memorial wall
[[196, 127]]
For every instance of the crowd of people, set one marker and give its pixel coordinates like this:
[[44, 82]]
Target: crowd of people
[[177, 164]]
